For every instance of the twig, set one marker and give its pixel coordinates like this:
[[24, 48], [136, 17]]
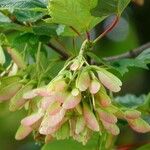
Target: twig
[[73, 29], [88, 36], [59, 51], [113, 24], [131, 54]]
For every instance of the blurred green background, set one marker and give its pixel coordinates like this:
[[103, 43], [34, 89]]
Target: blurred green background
[[132, 31]]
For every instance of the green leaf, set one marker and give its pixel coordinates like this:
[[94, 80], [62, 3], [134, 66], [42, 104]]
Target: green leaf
[[3, 39], [24, 10], [28, 16], [145, 56], [72, 145], [63, 132], [4, 18], [130, 101], [109, 7], [21, 4], [122, 66], [145, 147], [140, 61], [73, 13], [45, 29]]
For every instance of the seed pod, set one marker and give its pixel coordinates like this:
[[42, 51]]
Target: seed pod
[[32, 119], [90, 118], [109, 80], [103, 98], [53, 120], [94, 87], [18, 101], [43, 92], [57, 85], [9, 91], [71, 101], [46, 102], [107, 117], [45, 129], [112, 128], [80, 124], [139, 125], [83, 82], [54, 108], [17, 58], [23, 132], [79, 109], [2, 56], [132, 114]]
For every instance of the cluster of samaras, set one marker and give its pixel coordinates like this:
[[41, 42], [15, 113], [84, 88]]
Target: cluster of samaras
[[74, 104]]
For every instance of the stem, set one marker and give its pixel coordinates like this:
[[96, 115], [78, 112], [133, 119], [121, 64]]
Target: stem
[[38, 57], [88, 36], [114, 23], [73, 29], [59, 51]]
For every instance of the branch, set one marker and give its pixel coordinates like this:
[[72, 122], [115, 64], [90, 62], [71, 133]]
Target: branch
[[131, 54], [63, 54]]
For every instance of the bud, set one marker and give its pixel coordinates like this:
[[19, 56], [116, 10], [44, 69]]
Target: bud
[[109, 80], [23, 132], [83, 81], [90, 118]]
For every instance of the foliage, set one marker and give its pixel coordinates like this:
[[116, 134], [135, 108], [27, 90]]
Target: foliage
[[64, 94]]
